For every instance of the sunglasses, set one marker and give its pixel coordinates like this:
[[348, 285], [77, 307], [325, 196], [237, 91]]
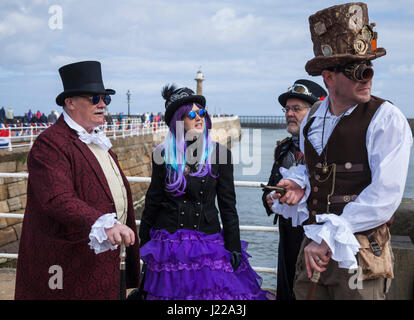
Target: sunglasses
[[299, 88], [201, 113], [95, 99]]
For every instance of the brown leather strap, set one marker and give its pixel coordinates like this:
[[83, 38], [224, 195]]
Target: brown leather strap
[[368, 232], [350, 167], [373, 243], [342, 199]]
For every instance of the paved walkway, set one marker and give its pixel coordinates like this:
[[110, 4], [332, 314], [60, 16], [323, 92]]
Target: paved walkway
[[7, 280]]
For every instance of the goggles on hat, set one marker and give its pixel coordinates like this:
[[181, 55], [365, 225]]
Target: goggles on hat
[[95, 99], [299, 88], [201, 113]]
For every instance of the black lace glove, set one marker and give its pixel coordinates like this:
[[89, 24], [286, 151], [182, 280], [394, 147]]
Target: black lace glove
[[235, 260]]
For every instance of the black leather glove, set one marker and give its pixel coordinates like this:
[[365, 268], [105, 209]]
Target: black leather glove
[[235, 260]]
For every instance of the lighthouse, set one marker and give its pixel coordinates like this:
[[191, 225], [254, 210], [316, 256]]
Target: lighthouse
[[199, 79]]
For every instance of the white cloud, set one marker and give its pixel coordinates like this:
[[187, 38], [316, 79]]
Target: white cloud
[[248, 50], [402, 70], [18, 23], [227, 27]]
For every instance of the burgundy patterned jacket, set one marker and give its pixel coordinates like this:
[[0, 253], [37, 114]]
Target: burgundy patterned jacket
[[67, 192]]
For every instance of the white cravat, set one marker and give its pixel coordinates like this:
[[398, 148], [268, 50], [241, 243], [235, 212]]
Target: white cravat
[[97, 136]]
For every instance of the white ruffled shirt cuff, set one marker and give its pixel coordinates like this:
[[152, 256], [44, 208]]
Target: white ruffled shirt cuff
[[99, 241], [337, 234], [299, 212]]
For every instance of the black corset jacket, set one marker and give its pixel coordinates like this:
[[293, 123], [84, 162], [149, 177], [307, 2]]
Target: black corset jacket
[[196, 208]]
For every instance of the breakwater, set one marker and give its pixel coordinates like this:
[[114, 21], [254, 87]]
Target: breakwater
[[277, 122]]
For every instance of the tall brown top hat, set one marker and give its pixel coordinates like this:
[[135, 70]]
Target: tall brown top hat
[[342, 34]]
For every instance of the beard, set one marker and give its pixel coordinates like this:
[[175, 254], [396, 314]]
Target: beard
[[293, 127]]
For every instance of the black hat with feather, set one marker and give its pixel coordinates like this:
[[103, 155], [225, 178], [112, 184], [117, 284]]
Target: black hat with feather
[[175, 98]]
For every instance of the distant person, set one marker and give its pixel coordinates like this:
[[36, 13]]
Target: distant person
[[187, 253], [29, 115], [51, 118], [9, 116], [2, 115], [79, 203], [34, 119], [295, 102], [25, 119], [43, 118], [38, 114]]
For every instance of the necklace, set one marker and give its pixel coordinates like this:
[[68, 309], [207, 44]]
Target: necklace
[[325, 163]]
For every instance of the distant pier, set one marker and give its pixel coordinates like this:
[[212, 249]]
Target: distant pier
[[272, 122], [277, 122]]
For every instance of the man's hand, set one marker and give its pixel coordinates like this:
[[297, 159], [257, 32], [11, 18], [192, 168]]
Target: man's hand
[[120, 233], [316, 257], [294, 192]]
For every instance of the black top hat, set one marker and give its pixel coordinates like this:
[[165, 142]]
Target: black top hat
[[175, 98], [305, 90], [81, 78]]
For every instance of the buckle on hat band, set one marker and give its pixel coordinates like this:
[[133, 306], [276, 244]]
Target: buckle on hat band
[[299, 88]]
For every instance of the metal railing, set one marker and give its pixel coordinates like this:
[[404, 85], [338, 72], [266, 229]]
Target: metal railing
[[245, 184], [23, 136]]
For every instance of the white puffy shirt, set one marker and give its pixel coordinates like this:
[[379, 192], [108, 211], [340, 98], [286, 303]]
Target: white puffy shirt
[[388, 141]]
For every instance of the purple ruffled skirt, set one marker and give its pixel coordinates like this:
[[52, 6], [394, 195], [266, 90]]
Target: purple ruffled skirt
[[191, 265]]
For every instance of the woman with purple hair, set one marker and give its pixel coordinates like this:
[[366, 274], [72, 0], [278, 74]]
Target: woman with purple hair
[[187, 254]]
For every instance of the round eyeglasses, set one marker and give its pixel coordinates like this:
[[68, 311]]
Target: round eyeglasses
[[295, 109], [201, 113], [95, 99]]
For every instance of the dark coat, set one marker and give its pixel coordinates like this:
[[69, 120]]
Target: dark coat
[[67, 192], [281, 150], [196, 209], [290, 238]]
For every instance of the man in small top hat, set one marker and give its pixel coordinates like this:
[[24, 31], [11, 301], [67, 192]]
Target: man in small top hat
[[79, 205], [357, 149], [295, 102]]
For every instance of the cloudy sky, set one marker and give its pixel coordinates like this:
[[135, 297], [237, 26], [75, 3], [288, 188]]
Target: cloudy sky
[[249, 51]]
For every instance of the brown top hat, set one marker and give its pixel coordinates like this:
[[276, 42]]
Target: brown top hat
[[342, 34]]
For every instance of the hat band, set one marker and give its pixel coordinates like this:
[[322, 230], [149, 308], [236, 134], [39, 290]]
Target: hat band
[[89, 87], [177, 96]]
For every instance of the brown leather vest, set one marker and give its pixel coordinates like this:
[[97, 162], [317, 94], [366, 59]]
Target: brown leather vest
[[348, 171]]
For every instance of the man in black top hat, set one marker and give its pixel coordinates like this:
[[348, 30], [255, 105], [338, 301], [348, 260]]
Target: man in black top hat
[[79, 205], [295, 102]]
